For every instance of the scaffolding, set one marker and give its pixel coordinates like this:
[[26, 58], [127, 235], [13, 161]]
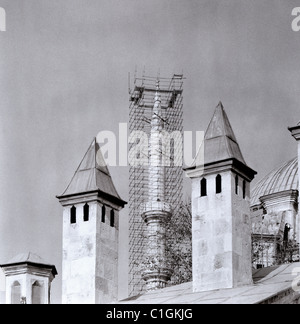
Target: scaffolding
[[140, 114]]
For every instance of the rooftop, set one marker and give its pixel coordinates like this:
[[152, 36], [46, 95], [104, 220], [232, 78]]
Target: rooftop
[[29, 258], [270, 285], [220, 142], [92, 174]]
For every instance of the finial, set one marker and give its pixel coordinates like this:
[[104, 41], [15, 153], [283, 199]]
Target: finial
[[220, 104], [157, 94], [157, 84]]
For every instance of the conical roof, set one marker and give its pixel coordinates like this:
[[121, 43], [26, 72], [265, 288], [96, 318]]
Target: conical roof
[[92, 175], [220, 142]]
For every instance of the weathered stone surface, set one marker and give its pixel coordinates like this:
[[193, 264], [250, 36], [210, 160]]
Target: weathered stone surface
[[90, 258], [33, 282], [221, 235]]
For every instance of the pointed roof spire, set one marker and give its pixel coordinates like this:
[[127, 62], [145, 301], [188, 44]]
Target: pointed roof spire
[[219, 141], [92, 175], [220, 148]]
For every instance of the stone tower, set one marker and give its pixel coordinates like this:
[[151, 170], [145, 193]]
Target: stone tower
[[28, 280], [295, 131], [90, 233], [221, 210], [156, 212]]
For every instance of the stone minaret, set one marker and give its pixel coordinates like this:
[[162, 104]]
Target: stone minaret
[[221, 210], [156, 212], [28, 279], [295, 131], [90, 233]]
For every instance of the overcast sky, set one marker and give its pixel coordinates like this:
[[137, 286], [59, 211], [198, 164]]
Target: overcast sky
[[63, 78]]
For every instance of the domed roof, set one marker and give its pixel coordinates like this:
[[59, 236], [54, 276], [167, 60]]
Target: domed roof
[[281, 179], [29, 258]]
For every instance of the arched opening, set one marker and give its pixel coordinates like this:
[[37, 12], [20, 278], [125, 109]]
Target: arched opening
[[112, 218], [73, 215], [16, 293], [86, 211], [287, 229], [103, 214], [37, 293], [203, 189], [218, 184], [236, 184], [244, 189]]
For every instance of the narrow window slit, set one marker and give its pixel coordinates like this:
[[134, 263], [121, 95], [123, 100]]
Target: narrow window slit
[[244, 189], [218, 184], [86, 211], [203, 186], [236, 184], [112, 218], [103, 214], [73, 215]]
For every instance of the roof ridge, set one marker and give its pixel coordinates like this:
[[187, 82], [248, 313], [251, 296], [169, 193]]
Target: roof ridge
[[78, 167], [234, 140], [92, 174], [220, 141]]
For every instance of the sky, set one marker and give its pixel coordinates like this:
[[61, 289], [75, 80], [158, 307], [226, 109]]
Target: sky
[[64, 78]]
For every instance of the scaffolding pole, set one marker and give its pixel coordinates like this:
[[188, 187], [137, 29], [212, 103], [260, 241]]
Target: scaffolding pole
[[141, 99]]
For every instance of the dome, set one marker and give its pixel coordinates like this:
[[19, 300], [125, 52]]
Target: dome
[[281, 179], [27, 257]]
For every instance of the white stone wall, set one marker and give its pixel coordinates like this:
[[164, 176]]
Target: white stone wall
[[90, 257], [79, 256], [107, 259], [221, 235], [242, 245], [26, 281]]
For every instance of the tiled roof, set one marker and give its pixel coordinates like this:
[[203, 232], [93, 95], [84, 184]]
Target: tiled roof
[[220, 142], [281, 179], [91, 175], [29, 258]]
